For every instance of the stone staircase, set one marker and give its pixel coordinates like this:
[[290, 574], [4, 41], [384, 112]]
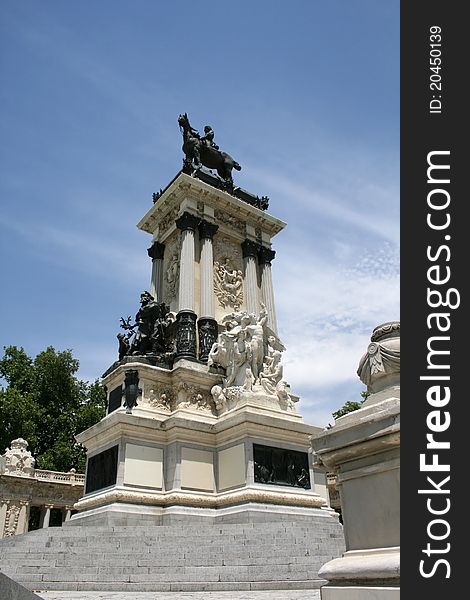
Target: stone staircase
[[178, 557]]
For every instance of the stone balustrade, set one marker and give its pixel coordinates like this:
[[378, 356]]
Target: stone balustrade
[[70, 477], [29, 495]]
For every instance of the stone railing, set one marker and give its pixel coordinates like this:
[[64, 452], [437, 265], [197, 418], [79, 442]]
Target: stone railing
[[70, 477]]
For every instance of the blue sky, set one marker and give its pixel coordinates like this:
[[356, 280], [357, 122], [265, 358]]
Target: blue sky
[[304, 95]]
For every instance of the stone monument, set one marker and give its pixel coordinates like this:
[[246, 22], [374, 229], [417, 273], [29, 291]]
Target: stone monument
[[200, 421], [363, 449]]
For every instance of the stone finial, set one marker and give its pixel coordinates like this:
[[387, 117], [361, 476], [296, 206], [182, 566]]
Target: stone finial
[[379, 367], [17, 459]]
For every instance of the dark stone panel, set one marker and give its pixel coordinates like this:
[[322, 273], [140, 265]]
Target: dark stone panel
[[115, 399], [101, 470], [278, 466]]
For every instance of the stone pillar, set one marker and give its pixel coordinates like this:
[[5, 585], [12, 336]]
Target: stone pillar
[[3, 516], [363, 450], [156, 252], [67, 513], [46, 515], [207, 325], [265, 256], [250, 253], [23, 518], [186, 317]]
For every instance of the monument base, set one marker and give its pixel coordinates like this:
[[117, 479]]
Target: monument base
[[359, 593], [363, 574], [174, 451], [122, 514]]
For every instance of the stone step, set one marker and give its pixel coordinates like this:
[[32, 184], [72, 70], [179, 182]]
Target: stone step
[[128, 590], [185, 557]]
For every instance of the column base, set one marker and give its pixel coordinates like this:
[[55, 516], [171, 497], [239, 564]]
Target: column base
[[186, 334], [372, 574], [359, 593], [208, 331]]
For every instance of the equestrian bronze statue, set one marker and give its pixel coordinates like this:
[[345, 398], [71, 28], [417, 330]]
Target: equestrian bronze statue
[[201, 151]]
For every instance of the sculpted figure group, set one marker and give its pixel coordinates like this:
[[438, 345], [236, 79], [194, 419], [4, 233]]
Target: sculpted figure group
[[251, 359], [151, 333]]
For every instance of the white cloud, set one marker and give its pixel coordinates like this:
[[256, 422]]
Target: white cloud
[[368, 214], [326, 314], [90, 253]]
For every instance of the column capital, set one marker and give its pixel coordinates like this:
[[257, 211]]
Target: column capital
[[266, 255], [207, 230], [156, 250], [187, 221], [250, 248]]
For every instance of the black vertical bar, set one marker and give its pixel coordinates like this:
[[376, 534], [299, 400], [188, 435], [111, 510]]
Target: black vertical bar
[[433, 125]]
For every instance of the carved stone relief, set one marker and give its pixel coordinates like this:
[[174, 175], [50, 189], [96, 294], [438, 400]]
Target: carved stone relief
[[228, 284], [251, 360], [11, 520], [18, 459], [194, 398], [228, 273], [171, 269], [162, 397], [167, 221], [383, 354], [230, 221]]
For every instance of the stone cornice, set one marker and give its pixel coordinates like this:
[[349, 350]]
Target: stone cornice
[[331, 458], [31, 489], [197, 427], [184, 186]]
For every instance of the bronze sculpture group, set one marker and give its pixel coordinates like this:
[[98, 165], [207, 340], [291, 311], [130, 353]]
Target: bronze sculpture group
[[151, 333], [202, 151]]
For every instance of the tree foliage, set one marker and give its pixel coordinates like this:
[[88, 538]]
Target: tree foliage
[[350, 406], [44, 403]]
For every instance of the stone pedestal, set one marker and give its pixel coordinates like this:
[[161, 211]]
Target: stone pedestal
[[362, 448], [175, 453]]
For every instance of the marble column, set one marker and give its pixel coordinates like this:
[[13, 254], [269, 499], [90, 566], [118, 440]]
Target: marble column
[[3, 516], [156, 252], [265, 256], [46, 515], [68, 513], [23, 518], [207, 325], [186, 317], [250, 253]]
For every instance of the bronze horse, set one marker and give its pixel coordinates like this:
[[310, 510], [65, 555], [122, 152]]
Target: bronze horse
[[198, 153]]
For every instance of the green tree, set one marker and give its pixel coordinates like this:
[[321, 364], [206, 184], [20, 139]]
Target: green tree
[[350, 406], [44, 403]]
